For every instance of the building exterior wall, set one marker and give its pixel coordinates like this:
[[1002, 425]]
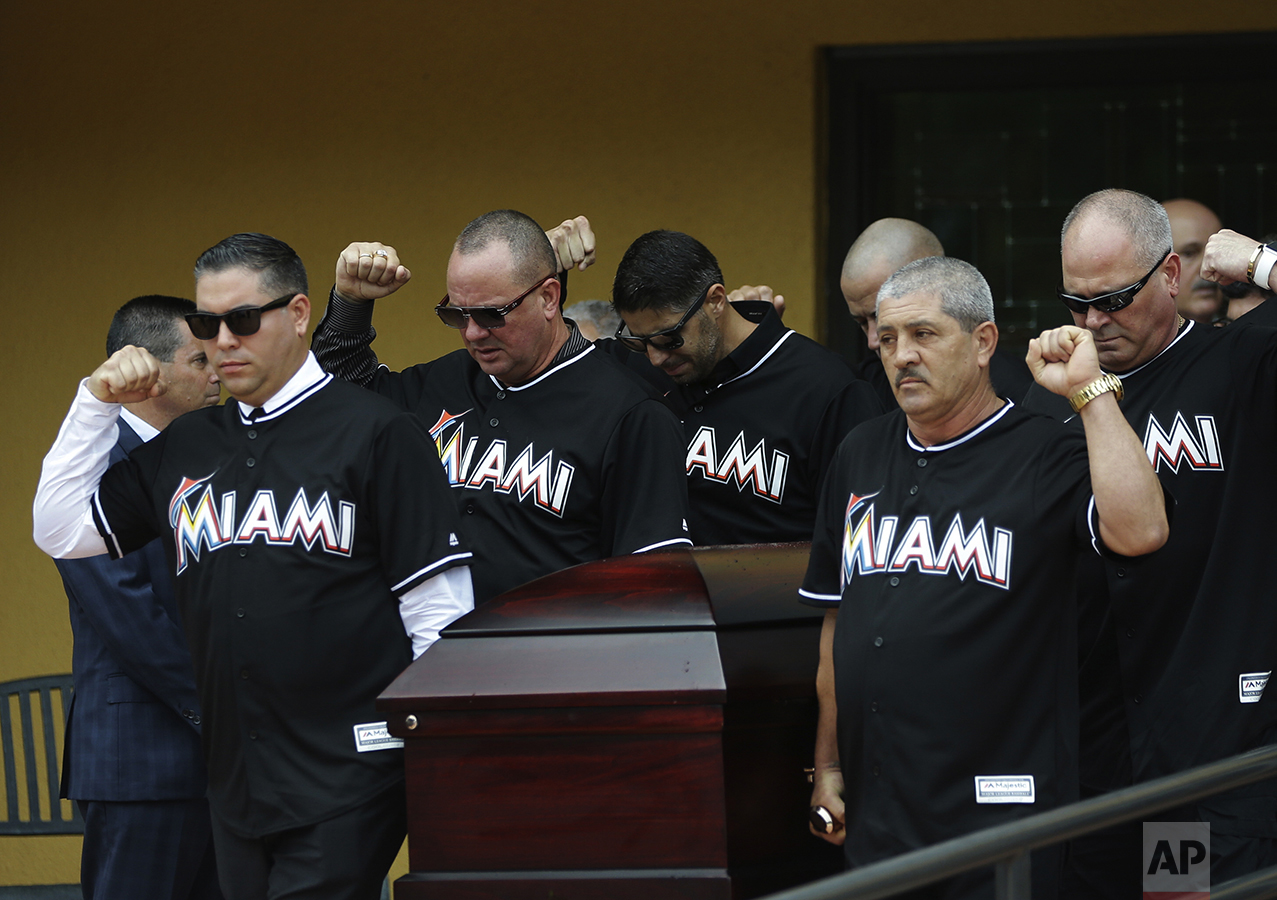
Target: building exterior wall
[[137, 135]]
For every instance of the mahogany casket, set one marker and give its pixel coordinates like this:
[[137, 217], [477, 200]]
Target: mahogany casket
[[629, 728]]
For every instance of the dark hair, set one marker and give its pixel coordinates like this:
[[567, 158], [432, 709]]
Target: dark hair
[[279, 268], [149, 322], [664, 270], [529, 247]]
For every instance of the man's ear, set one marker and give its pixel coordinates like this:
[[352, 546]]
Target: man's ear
[[1173, 273], [299, 309], [715, 301], [549, 294], [985, 337]]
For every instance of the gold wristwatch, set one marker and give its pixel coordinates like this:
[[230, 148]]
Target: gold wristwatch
[[1102, 385]]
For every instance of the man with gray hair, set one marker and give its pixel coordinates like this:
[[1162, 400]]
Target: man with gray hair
[[880, 250], [1177, 649], [594, 318], [948, 533]]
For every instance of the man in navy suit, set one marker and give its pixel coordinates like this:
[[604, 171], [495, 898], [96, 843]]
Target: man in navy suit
[[133, 761]]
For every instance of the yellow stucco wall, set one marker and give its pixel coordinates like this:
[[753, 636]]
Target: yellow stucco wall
[[138, 134]]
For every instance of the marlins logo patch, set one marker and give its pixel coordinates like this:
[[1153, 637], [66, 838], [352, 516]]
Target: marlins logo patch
[[873, 544], [199, 522], [543, 479], [744, 468]]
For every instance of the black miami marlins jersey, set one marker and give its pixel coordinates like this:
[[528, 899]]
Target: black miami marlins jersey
[[1189, 638], [290, 537], [952, 569], [761, 430], [581, 463]]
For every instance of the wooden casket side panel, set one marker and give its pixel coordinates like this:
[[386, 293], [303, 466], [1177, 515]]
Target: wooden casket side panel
[[575, 801]]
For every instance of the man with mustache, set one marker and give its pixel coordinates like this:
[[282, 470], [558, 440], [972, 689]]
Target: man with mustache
[[881, 249], [944, 551], [1192, 223]]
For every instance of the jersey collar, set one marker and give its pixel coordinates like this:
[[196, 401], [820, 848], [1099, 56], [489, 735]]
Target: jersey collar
[[961, 439], [571, 352], [305, 381], [755, 350]]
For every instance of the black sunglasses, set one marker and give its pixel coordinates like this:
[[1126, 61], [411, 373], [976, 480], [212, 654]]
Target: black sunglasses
[[483, 316], [243, 321], [669, 339], [1113, 300]]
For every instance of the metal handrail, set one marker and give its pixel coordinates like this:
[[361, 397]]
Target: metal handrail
[[1007, 846]]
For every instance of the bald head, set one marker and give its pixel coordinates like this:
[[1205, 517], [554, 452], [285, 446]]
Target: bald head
[[1112, 240], [881, 249], [1192, 224]]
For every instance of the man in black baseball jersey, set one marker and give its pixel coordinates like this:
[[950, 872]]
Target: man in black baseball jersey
[[763, 407], [312, 556], [880, 250], [1176, 648], [944, 551], [557, 456]]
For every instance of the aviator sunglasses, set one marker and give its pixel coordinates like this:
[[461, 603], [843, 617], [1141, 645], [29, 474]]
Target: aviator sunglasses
[[1113, 300], [483, 316], [243, 322], [666, 340]]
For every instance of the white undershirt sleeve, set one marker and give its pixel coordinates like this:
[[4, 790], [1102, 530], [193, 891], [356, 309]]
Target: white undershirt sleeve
[[433, 604], [72, 469]]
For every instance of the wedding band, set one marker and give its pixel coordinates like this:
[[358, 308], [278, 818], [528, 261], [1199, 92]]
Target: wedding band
[[365, 256]]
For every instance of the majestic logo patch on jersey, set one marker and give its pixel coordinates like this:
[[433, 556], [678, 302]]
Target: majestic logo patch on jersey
[[870, 546], [375, 736], [544, 480], [199, 523], [1250, 687], [1179, 444], [1005, 789], [744, 468]]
